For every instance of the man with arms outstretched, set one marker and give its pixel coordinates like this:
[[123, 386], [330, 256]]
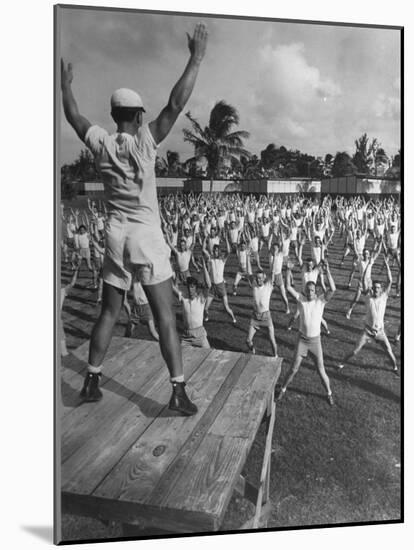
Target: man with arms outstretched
[[311, 307], [375, 304], [135, 245]]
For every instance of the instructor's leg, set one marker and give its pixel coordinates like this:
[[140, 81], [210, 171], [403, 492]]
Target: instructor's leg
[[160, 298], [112, 299]]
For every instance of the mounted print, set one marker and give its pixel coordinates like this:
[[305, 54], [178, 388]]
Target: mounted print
[[228, 274]]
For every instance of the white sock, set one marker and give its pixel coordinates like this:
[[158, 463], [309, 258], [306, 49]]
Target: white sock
[[94, 370], [177, 378]]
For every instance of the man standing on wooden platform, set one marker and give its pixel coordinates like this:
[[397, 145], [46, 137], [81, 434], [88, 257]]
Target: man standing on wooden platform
[[135, 246], [311, 308]]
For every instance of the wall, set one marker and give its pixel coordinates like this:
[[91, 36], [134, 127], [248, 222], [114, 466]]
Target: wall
[[254, 186], [351, 185]]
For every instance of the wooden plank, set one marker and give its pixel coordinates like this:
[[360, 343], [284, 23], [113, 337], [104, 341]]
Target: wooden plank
[[85, 469], [135, 514], [263, 519], [206, 483], [262, 495], [246, 405], [136, 475], [121, 352], [75, 363], [175, 470], [91, 418], [246, 489]]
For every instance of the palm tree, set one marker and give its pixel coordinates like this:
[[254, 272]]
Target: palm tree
[[216, 143]]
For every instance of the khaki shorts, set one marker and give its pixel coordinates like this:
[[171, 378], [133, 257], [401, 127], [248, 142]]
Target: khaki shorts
[[85, 253], [312, 345], [137, 250], [182, 276], [371, 335], [196, 337], [261, 320], [277, 279], [141, 313], [394, 253], [218, 290]]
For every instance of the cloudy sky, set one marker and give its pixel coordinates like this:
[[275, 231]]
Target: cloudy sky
[[310, 87]]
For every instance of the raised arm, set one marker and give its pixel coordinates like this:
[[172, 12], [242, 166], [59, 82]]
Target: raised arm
[[389, 275], [181, 92], [73, 280], [170, 244], [289, 286], [206, 274], [228, 248], [329, 293], [204, 250], [78, 122]]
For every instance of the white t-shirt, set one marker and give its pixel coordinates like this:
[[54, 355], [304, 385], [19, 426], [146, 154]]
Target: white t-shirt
[[376, 310], [126, 164], [316, 252], [183, 259], [277, 263], [242, 256], [261, 296], [359, 245], [285, 246], [193, 311], [393, 240], [234, 235], [83, 240], [311, 313], [217, 270]]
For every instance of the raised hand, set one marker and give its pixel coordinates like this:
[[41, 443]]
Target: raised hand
[[66, 73], [197, 44]]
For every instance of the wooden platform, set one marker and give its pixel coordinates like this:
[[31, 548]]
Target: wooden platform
[[129, 459]]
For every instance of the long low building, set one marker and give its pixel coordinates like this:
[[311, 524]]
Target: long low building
[[263, 186], [360, 185], [348, 185], [198, 185]]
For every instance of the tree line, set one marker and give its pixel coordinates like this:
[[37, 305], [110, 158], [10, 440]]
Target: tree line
[[220, 153]]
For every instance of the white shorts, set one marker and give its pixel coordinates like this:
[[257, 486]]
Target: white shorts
[[135, 250]]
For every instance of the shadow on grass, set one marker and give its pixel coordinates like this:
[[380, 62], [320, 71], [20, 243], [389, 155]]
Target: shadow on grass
[[80, 314], [367, 386]]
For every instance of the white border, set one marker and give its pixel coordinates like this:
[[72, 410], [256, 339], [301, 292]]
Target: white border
[[27, 325]]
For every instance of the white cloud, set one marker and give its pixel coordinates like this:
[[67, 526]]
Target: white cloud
[[387, 107], [291, 94]]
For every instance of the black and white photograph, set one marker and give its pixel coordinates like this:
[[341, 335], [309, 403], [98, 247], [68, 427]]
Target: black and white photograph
[[228, 274]]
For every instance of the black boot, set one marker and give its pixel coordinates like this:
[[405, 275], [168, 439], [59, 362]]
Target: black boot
[[90, 390], [179, 400]]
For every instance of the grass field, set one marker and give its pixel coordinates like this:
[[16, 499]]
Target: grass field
[[329, 465]]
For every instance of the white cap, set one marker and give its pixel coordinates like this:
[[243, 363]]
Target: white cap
[[124, 97]]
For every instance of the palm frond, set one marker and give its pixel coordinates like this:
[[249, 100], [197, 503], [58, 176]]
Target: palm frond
[[240, 134], [196, 126], [222, 117], [195, 140]]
